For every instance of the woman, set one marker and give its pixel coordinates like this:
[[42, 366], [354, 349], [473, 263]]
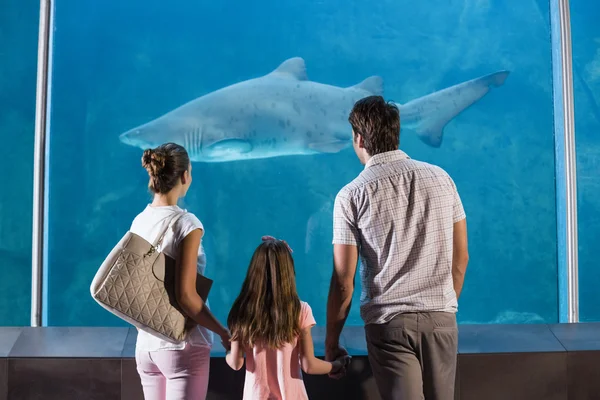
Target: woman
[[176, 371]]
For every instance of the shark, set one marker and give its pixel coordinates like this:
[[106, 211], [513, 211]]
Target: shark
[[283, 113]]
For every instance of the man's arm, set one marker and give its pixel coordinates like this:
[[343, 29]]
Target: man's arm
[[345, 257], [460, 255], [341, 288], [460, 251]]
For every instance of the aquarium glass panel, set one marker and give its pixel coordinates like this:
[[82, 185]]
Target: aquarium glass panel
[[585, 33], [259, 93]]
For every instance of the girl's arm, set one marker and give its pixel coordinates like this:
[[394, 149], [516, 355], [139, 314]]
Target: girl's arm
[[311, 364], [235, 357], [185, 288]]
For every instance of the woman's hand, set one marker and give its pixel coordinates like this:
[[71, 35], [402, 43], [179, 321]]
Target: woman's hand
[[226, 339]]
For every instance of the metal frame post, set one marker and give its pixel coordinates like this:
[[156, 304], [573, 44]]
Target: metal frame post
[[39, 161], [565, 161]]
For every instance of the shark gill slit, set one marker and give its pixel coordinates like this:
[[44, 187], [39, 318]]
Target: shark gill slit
[[192, 141], [186, 142], [197, 140], [199, 136]]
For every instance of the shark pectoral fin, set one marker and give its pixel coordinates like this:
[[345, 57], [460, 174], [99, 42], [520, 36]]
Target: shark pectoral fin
[[432, 133], [333, 146], [228, 147]]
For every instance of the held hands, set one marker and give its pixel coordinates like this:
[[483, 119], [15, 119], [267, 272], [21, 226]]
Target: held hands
[[340, 360], [339, 366]]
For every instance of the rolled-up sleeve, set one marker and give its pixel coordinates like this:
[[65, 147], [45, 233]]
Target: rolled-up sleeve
[[345, 224], [459, 211]]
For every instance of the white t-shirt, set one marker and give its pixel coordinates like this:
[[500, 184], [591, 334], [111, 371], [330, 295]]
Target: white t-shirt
[[149, 224]]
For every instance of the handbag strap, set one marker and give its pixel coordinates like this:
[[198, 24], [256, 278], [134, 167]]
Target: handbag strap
[[160, 237]]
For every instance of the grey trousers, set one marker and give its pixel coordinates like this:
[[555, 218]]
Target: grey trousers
[[413, 356]]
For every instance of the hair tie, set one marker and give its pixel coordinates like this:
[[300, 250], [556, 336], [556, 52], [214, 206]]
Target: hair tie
[[267, 238]]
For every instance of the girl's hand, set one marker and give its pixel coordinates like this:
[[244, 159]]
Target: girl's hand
[[340, 364], [345, 360], [337, 353], [336, 367]]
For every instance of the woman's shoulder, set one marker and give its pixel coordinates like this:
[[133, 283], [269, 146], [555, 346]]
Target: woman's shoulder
[[187, 223], [142, 219], [190, 218]]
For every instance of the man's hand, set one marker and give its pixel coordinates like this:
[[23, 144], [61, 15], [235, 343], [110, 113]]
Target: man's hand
[[339, 365], [333, 353]]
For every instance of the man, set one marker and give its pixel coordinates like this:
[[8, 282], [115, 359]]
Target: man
[[406, 220]]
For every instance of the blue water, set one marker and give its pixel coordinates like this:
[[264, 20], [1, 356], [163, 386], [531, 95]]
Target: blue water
[[586, 65], [18, 53], [118, 65]]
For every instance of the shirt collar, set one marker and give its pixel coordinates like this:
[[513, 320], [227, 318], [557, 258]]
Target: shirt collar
[[387, 157]]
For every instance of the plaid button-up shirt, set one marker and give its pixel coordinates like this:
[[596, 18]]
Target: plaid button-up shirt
[[400, 213]]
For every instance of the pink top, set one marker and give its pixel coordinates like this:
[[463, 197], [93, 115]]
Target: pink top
[[277, 374]]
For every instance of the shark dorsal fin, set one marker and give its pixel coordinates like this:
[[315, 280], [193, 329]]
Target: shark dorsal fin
[[373, 85], [293, 68]]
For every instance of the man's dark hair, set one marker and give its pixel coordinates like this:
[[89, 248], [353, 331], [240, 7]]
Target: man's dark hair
[[378, 122]]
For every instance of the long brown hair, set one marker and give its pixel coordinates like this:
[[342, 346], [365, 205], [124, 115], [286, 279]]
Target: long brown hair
[[268, 307]]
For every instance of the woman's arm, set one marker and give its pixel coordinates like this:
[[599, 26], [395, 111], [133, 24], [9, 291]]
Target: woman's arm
[[235, 357], [185, 286], [311, 364]]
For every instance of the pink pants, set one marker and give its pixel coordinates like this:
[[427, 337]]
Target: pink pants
[[174, 374]]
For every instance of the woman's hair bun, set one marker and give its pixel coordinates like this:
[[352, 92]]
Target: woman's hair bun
[[154, 161], [166, 165], [147, 158]]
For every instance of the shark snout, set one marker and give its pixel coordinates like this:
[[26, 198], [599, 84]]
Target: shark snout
[[132, 137]]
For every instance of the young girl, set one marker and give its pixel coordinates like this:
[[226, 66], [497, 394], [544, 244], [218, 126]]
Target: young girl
[[176, 371], [271, 327]]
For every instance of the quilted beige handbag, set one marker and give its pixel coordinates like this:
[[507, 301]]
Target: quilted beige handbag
[[136, 282]]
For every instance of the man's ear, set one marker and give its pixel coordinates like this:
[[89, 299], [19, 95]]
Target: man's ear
[[360, 141]]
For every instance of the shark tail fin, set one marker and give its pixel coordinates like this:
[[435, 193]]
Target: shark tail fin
[[373, 85], [496, 79], [431, 113]]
